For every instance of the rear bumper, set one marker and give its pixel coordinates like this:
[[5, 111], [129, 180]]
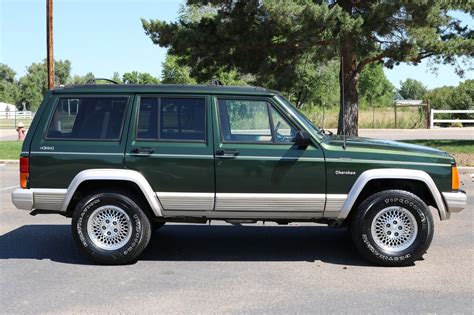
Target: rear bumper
[[455, 201], [39, 198], [23, 199]]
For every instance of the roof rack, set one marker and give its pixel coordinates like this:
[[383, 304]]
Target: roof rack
[[94, 81], [216, 82]]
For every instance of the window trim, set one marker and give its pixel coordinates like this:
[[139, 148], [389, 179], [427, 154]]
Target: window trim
[[269, 106], [160, 96], [58, 100]]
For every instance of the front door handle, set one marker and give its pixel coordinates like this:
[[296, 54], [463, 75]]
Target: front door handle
[[142, 151], [227, 154]]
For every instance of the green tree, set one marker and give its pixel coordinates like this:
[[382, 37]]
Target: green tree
[[232, 77], [271, 39], [317, 84], [7, 74], [136, 77], [411, 89], [116, 77], [374, 87], [440, 98], [81, 79], [34, 84], [9, 90], [463, 96], [175, 73]]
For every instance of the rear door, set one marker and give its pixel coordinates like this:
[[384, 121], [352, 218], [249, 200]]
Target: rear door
[[170, 143]]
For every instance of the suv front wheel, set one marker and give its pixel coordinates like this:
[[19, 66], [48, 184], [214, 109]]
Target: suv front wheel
[[111, 228], [392, 228]]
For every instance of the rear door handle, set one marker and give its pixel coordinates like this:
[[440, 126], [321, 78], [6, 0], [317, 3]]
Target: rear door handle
[[142, 151], [227, 154]]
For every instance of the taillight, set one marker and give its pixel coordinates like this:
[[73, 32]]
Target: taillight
[[455, 184], [24, 171]]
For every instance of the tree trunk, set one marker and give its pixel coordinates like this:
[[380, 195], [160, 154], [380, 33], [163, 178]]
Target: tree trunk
[[349, 97]]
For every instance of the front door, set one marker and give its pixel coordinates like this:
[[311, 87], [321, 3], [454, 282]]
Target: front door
[[170, 143], [259, 170]]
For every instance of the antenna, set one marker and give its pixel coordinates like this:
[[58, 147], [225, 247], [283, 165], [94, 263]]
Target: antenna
[[343, 106]]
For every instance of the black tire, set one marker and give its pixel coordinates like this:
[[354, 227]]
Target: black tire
[[387, 242], [132, 225]]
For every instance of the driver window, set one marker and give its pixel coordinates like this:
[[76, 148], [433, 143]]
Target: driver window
[[253, 121], [283, 131]]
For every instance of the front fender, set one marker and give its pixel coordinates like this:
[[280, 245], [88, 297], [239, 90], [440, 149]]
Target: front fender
[[393, 173]]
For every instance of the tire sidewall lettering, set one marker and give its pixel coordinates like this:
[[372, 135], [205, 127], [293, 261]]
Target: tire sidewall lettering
[[136, 237], [379, 204], [88, 209], [81, 219]]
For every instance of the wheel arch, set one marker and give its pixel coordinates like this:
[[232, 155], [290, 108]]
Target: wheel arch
[[88, 180], [414, 181]]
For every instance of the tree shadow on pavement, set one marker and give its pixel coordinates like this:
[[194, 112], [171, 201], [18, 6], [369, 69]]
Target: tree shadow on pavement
[[185, 242]]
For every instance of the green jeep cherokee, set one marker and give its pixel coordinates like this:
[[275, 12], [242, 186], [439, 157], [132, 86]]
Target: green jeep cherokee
[[124, 159]]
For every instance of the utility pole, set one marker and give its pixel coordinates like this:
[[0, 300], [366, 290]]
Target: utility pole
[[49, 44]]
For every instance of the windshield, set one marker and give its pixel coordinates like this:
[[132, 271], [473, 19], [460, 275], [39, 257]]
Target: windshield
[[308, 123]]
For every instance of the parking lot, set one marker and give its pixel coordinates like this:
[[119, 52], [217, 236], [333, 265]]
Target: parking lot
[[300, 268]]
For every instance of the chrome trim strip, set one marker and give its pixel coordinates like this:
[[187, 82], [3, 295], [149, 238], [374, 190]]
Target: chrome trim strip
[[200, 156], [276, 158], [75, 153], [270, 202], [393, 173], [383, 162], [455, 201], [186, 201], [115, 174]]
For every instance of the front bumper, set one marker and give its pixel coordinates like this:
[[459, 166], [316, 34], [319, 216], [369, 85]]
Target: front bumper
[[455, 201]]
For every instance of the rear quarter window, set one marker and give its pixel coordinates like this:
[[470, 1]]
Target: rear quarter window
[[88, 118]]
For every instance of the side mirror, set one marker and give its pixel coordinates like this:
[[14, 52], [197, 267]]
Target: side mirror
[[302, 138]]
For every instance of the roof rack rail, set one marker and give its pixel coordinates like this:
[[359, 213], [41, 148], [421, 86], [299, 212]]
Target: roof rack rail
[[215, 82], [94, 81]]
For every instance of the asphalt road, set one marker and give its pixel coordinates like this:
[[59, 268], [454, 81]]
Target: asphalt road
[[301, 268]]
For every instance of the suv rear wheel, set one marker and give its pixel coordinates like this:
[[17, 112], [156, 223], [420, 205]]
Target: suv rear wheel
[[111, 228], [392, 228]]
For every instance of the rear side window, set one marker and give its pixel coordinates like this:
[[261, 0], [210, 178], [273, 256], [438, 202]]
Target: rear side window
[[88, 118], [172, 119]]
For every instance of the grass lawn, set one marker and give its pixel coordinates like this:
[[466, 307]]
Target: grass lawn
[[10, 150], [463, 150]]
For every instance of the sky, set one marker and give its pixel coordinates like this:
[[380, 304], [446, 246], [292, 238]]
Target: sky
[[106, 36]]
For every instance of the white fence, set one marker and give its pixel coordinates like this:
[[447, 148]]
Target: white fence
[[11, 119], [434, 111], [16, 114]]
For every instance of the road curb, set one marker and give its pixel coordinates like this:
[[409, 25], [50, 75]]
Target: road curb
[[9, 161]]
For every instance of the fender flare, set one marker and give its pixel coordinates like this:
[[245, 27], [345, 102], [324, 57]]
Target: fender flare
[[114, 174], [393, 173]]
